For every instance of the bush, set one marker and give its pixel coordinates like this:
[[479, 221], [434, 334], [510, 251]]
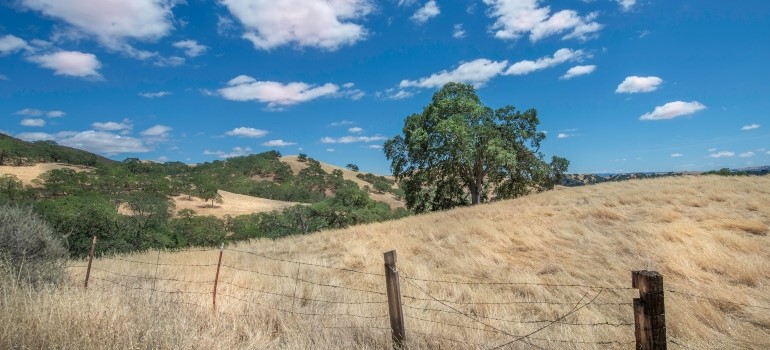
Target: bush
[[28, 248]]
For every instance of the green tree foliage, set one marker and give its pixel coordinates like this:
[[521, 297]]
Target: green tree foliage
[[459, 151], [11, 188], [302, 157], [352, 167], [29, 249]]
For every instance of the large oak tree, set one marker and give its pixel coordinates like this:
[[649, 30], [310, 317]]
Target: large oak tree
[[459, 151]]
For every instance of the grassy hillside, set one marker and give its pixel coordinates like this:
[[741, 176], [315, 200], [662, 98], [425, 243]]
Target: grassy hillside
[[14, 151], [707, 235]]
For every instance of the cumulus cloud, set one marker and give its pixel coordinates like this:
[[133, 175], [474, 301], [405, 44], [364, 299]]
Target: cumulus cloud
[[626, 5], [563, 135], [676, 155], [111, 22], [191, 47], [395, 94], [55, 114], [156, 134], [70, 63], [276, 94], [235, 152], [11, 43], [278, 143], [672, 110], [112, 126], [247, 132], [516, 18], [746, 154], [30, 112], [157, 94], [93, 141], [750, 127], [459, 31], [353, 139], [634, 84], [325, 24], [722, 154], [559, 57], [577, 71], [426, 12], [32, 122], [355, 130], [477, 72]]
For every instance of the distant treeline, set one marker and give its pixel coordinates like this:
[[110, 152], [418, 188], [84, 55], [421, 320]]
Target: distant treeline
[[81, 204], [17, 152]]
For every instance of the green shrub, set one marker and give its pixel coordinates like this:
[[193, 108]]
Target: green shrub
[[28, 248]]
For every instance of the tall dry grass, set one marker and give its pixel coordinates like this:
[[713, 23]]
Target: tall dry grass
[[707, 235]]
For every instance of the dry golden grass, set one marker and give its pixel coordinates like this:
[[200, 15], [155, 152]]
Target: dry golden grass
[[387, 198], [27, 173], [706, 235], [233, 204]]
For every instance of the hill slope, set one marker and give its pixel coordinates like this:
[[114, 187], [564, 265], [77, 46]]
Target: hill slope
[[707, 235], [15, 151]]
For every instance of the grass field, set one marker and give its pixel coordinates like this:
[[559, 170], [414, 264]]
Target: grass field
[[707, 235]]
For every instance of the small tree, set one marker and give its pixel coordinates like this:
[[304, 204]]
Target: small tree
[[302, 157], [352, 167]]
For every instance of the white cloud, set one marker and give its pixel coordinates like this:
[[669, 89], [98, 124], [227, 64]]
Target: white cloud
[[10, 44], [750, 127], [563, 136], [426, 12], [278, 143], [330, 150], [92, 141], [626, 5], [342, 122], [722, 154], [768, 153], [32, 122], [476, 72], [634, 84], [516, 18], [712, 149], [676, 155], [112, 126], [275, 94], [560, 56], [578, 71], [111, 22], [458, 32], [374, 146], [355, 130], [156, 134], [746, 154], [247, 132], [395, 94], [30, 112], [191, 47], [236, 152], [70, 63], [154, 94], [353, 139], [55, 114], [672, 110], [325, 24]]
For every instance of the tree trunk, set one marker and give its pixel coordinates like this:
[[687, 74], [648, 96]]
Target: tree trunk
[[475, 194]]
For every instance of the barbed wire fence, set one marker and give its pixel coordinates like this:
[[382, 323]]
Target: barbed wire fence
[[434, 312]]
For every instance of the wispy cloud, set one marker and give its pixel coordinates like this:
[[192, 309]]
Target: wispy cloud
[[157, 94], [353, 139], [235, 152], [676, 155], [32, 122], [278, 143], [276, 94], [247, 132], [722, 154], [577, 71], [459, 31], [746, 154], [750, 127], [428, 11], [191, 47]]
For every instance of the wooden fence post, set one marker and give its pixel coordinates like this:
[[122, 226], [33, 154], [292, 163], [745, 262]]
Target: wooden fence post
[[216, 278], [649, 310], [90, 260], [394, 301]]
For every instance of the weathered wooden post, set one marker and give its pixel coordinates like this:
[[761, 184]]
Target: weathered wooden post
[[90, 260], [216, 278], [394, 301], [649, 310]]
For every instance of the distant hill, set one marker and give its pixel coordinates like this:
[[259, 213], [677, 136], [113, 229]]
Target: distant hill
[[572, 180], [14, 151]]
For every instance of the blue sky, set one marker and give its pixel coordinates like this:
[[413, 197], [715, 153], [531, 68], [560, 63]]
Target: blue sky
[[619, 85]]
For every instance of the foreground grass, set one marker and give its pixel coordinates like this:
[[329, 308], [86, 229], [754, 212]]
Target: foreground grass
[[707, 235]]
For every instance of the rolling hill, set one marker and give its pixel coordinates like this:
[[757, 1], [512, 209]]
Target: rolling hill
[[554, 266]]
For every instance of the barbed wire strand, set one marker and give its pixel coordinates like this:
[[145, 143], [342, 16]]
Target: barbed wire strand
[[304, 280], [304, 298], [516, 302], [463, 314], [520, 283], [448, 339], [575, 309], [142, 288], [150, 278], [717, 300], [305, 263], [159, 264], [605, 323], [299, 312]]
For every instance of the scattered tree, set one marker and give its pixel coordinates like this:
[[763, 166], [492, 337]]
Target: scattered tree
[[302, 157], [458, 147], [352, 167]]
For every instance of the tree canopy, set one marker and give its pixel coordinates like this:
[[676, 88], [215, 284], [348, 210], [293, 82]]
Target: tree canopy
[[459, 151]]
